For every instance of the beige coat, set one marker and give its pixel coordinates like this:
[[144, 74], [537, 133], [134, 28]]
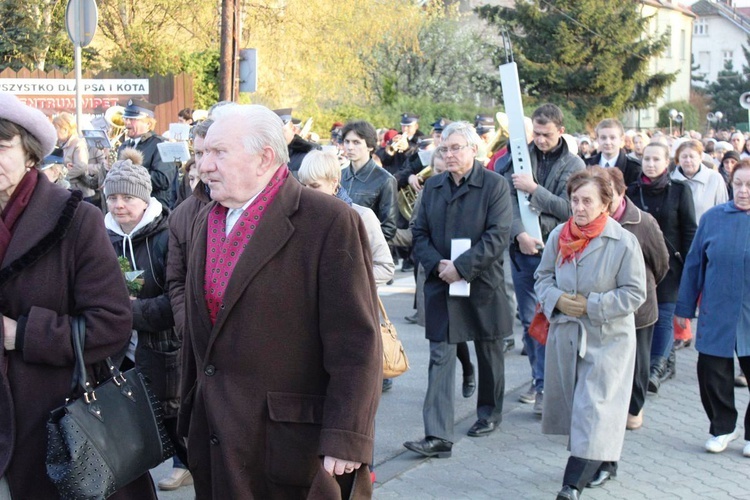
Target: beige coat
[[590, 360]]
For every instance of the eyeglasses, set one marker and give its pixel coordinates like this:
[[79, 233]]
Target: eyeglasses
[[6, 147], [453, 149]]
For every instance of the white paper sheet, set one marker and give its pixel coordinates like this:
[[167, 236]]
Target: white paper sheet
[[173, 151], [459, 288]]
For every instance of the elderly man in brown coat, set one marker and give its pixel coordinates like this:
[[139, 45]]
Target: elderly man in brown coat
[[283, 358]]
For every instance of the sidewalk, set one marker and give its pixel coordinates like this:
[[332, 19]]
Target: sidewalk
[[663, 459]]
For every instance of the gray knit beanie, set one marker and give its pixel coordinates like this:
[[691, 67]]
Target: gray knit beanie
[[127, 176]]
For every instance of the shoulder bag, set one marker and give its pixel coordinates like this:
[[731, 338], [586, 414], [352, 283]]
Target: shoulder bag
[[395, 361], [109, 436]]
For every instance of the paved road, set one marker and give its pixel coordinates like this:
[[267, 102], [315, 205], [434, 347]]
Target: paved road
[[664, 459]]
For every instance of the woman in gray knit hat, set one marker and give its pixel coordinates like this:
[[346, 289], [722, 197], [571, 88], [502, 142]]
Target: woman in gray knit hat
[[138, 230]]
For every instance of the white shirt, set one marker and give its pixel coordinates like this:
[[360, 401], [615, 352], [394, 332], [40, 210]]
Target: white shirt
[[607, 163], [234, 214]]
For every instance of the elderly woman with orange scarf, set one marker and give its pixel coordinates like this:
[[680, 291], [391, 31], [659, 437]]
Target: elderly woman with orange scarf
[[591, 280]]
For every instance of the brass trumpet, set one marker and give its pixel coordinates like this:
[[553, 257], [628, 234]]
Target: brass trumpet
[[407, 197], [398, 145]]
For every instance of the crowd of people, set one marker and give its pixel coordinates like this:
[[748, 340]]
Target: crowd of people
[[242, 284]]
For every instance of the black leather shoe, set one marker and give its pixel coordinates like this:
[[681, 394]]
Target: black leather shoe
[[481, 427], [407, 266], [568, 493], [431, 447], [469, 386], [412, 319], [387, 384], [681, 344], [655, 376], [670, 368], [601, 477]]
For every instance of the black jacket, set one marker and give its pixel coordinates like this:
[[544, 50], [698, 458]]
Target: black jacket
[[673, 209], [630, 167], [158, 352], [480, 210], [392, 164], [374, 188], [163, 175], [298, 148], [655, 256]]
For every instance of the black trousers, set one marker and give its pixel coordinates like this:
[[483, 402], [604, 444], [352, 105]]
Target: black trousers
[[462, 353], [716, 383], [579, 471], [643, 337]]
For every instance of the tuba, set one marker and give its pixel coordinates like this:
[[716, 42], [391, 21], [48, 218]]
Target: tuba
[[116, 122], [407, 197]]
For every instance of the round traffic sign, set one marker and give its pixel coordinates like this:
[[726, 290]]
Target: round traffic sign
[[81, 17]]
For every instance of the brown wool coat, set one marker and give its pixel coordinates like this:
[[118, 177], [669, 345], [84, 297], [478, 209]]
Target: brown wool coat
[[76, 275], [291, 371]]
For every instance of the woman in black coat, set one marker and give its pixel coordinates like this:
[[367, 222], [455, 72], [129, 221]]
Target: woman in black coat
[[671, 204], [139, 232]]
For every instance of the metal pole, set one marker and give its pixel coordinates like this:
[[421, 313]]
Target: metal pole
[[78, 88]]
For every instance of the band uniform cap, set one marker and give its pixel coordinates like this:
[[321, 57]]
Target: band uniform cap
[[54, 158], [425, 143], [485, 129], [138, 109], [285, 114], [296, 121], [409, 118], [34, 121], [440, 124], [487, 121]]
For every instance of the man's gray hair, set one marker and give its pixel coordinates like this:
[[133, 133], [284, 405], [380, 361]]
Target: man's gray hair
[[261, 128], [465, 129]]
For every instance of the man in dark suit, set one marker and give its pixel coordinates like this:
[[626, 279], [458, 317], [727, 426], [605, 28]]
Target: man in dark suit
[[609, 134], [139, 127], [280, 383], [465, 202]]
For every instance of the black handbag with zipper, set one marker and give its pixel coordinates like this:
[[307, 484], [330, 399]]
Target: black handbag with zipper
[[109, 436]]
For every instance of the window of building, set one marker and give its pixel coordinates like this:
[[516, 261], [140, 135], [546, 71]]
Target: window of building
[[700, 28], [728, 55], [704, 62], [683, 38]]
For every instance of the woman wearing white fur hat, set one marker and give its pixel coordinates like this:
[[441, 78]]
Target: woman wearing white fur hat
[[55, 263]]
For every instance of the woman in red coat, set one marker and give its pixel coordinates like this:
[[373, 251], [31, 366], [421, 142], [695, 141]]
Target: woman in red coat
[[55, 262]]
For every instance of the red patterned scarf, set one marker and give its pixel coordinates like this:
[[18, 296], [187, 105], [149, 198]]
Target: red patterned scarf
[[15, 207], [574, 240], [223, 252]]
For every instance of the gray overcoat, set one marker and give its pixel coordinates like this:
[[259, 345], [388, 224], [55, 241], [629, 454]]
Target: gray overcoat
[[590, 360]]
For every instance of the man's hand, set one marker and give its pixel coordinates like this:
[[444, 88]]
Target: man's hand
[[9, 333], [524, 182], [570, 306], [683, 322], [336, 466], [415, 182], [449, 274], [529, 245]]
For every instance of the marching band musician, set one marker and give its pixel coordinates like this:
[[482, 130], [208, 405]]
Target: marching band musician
[[139, 127]]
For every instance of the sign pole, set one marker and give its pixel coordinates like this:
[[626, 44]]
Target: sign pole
[[79, 113]]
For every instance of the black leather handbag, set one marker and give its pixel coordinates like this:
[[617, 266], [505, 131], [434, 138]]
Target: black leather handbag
[[109, 436]]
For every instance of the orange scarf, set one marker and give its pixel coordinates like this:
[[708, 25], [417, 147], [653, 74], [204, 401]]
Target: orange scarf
[[574, 239]]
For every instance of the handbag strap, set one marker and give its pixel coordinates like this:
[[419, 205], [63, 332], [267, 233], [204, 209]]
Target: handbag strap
[[382, 310], [78, 334], [80, 378]]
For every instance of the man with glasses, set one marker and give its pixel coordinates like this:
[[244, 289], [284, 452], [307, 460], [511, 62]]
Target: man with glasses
[[551, 166], [465, 202]]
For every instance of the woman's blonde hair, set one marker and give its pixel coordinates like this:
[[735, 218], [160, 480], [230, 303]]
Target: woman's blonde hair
[[319, 165], [65, 121]]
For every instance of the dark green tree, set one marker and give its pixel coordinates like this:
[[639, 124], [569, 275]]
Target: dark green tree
[[592, 55], [725, 94], [696, 77]]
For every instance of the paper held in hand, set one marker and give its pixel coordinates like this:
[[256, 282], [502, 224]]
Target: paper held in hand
[[173, 151], [459, 288]]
